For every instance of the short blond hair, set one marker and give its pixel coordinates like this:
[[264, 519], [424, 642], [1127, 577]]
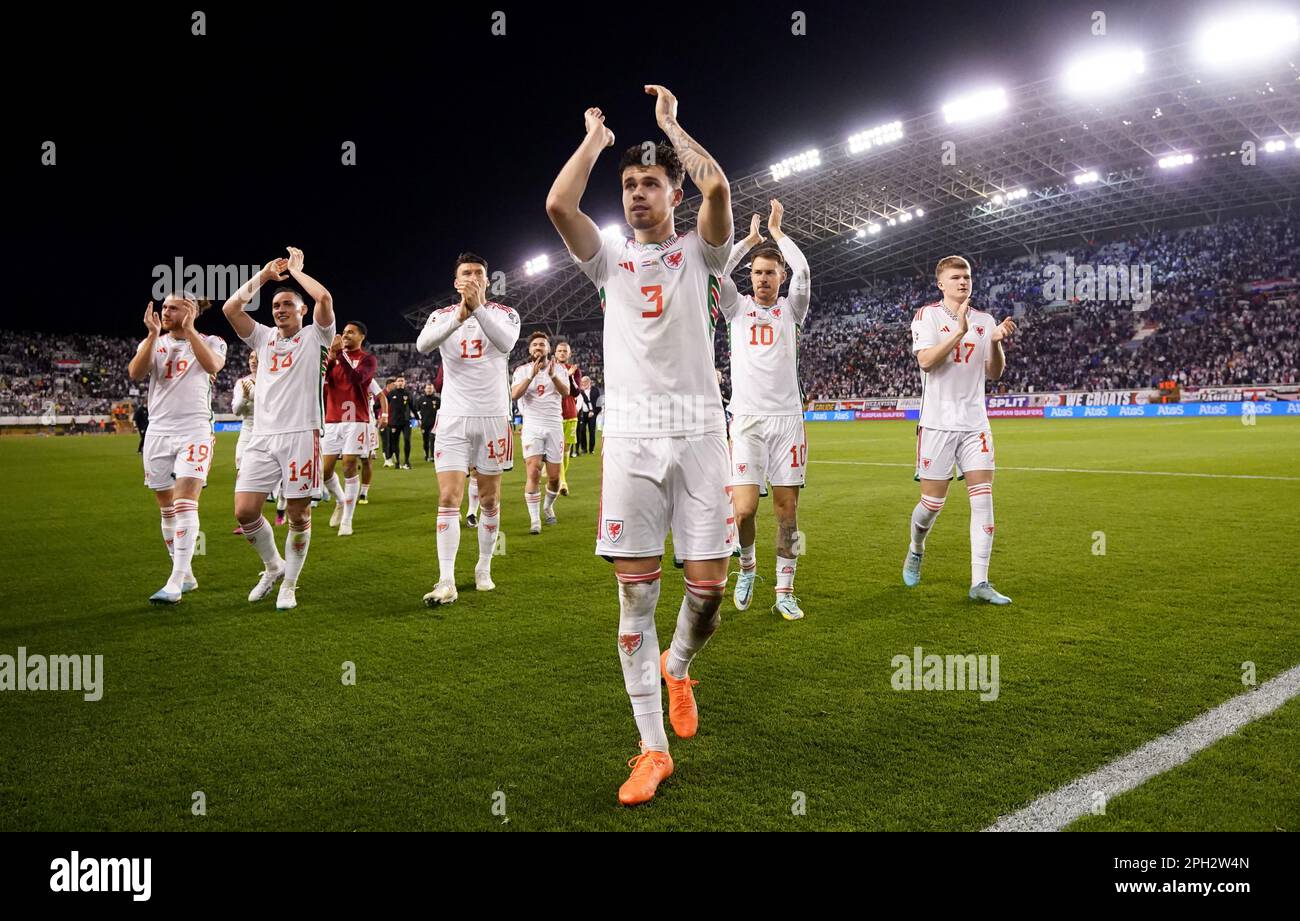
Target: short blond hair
[[948, 262]]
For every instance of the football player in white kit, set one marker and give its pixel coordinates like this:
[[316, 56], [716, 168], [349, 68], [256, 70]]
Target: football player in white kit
[[957, 347], [475, 338], [664, 458], [289, 416], [179, 362], [768, 443], [539, 386]]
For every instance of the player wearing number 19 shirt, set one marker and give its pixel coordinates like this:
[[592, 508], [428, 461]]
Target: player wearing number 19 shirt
[[768, 443], [664, 460], [475, 338], [957, 347], [179, 362], [288, 418]]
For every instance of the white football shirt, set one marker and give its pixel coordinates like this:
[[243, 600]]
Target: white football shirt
[[540, 404], [475, 359], [952, 395], [244, 406], [660, 302], [180, 391], [290, 378]]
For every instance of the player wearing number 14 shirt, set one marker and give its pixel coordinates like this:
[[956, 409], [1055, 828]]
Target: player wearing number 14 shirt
[[664, 461], [957, 347], [288, 418], [474, 338]]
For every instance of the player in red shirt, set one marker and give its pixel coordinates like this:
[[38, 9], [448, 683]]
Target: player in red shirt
[[349, 370]]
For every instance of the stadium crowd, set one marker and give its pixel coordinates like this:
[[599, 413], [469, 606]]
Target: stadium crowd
[[1225, 310]]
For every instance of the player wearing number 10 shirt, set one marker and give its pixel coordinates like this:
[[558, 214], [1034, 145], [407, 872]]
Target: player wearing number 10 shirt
[[179, 362], [957, 347], [474, 338], [768, 444], [288, 418], [664, 460]]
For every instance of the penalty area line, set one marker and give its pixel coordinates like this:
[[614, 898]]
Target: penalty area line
[[1077, 798], [1206, 476]]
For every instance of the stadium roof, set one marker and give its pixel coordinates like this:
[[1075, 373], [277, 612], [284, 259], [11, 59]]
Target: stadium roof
[[1043, 139]]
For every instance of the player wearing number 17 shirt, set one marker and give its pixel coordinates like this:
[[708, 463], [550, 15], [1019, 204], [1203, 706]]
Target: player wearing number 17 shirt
[[475, 338], [664, 461], [288, 418], [957, 347], [768, 444], [179, 362]]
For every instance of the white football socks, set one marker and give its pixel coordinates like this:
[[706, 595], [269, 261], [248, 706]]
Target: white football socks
[[981, 531], [534, 501], [638, 652], [295, 551], [351, 489], [488, 522], [448, 543], [186, 535], [923, 516], [697, 618], [260, 535]]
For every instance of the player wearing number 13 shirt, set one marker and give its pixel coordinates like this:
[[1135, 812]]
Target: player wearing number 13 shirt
[[288, 418], [664, 460], [474, 338], [957, 347]]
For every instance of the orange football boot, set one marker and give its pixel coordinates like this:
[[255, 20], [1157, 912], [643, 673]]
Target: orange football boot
[[649, 769], [681, 701]]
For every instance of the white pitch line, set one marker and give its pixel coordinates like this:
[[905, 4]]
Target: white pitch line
[[1208, 476], [1061, 807]]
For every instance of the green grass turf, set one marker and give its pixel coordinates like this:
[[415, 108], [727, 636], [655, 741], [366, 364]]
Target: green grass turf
[[1254, 775], [520, 690]]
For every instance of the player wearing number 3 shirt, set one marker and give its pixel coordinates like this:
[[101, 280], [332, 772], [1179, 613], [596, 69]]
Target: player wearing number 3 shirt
[[288, 418], [474, 338], [957, 347], [664, 460], [179, 362]]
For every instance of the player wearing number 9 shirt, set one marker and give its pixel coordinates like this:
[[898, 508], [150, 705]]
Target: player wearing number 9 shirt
[[957, 347], [474, 338], [288, 418], [179, 362], [664, 461]]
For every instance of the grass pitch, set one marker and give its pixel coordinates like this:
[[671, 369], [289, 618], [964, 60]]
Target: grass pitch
[[514, 699]]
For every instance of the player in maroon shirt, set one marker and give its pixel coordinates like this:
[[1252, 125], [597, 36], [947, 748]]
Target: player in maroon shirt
[[349, 369]]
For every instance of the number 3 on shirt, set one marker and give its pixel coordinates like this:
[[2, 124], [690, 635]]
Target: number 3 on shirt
[[655, 295]]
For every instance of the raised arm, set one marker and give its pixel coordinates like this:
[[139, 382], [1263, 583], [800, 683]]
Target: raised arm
[[997, 360], [234, 308], [561, 380], [743, 246], [525, 380], [580, 233], [241, 400], [142, 360], [437, 328], [500, 325], [714, 224], [800, 275], [210, 359], [323, 312]]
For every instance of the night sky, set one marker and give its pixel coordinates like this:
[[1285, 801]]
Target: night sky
[[225, 148]]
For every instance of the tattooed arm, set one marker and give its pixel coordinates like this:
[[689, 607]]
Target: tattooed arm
[[715, 210]]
